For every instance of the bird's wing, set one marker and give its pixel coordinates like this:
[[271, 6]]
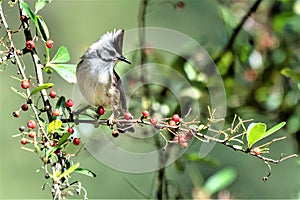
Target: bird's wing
[[121, 90]]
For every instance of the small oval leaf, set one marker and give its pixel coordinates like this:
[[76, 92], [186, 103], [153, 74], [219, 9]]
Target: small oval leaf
[[43, 29], [85, 172], [255, 132], [38, 89], [62, 55], [66, 71]]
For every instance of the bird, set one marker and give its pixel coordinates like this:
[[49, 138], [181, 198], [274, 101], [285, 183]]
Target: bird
[[97, 79]]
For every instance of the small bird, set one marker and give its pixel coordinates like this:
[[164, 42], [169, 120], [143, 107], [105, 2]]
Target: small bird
[[98, 81]]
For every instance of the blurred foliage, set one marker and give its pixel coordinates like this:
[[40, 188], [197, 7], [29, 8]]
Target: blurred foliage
[[260, 73]]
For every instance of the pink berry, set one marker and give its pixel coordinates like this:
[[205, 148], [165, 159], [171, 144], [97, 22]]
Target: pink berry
[[172, 123], [127, 116], [69, 103], [32, 134], [145, 113], [49, 44], [25, 84], [256, 151], [153, 121], [30, 45], [31, 124], [56, 112]]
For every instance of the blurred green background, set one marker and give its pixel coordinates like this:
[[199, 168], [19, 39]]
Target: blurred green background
[[254, 90]]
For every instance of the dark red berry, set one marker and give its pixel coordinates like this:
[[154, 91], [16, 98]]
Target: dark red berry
[[52, 94], [22, 128], [23, 141], [115, 134], [71, 130], [76, 141], [32, 134], [176, 118], [145, 113], [47, 175], [23, 17], [25, 84], [127, 116], [16, 114], [180, 4], [31, 124], [56, 112], [49, 44], [100, 110], [69, 103], [153, 121], [30, 45], [24, 107]]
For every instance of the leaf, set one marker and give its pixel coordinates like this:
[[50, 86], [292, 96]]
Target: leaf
[[60, 105], [220, 180], [29, 12], [255, 132], [38, 89], [18, 92], [274, 129], [40, 4], [42, 28], [50, 151], [62, 55], [69, 171], [54, 125], [66, 71], [287, 72], [85, 172], [63, 138]]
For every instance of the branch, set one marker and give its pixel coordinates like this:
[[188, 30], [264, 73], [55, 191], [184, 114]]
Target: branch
[[236, 31]]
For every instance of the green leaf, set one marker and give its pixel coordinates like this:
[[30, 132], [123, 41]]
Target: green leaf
[[220, 180], [19, 93], [40, 4], [60, 105], [85, 172], [38, 89], [62, 55], [29, 12], [255, 132], [69, 171], [54, 125], [50, 151], [42, 28], [287, 72], [66, 71], [63, 138], [274, 129]]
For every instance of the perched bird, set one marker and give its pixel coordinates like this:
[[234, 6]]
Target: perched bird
[[98, 81]]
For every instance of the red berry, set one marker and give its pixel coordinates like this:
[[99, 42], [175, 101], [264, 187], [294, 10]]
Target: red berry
[[115, 134], [176, 118], [100, 110], [23, 17], [25, 84], [49, 44], [127, 116], [24, 107], [71, 130], [56, 112], [256, 151], [23, 141], [76, 141], [145, 113], [180, 4], [172, 123], [69, 103], [32, 134], [30, 45], [16, 114], [52, 94], [153, 121], [31, 124], [22, 128]]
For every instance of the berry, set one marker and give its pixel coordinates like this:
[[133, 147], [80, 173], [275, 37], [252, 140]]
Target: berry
[[71, 130], [176, 139], [55, 112], [180, 4], [145, 113], [32, 134], [76, 141], [69, 103], [30, 45], [31, 124], [176, 118], [49, 44], [16, 114], [172, 123], [52, 94], [100, 110], [23, 17], [127, 116], [115, 134], [256, 151], [23, 141], [25, 84], [153, 121], [24, 107], [184, 144], [22, 128]]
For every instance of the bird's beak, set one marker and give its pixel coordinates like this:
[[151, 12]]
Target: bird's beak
[[122, 58]]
